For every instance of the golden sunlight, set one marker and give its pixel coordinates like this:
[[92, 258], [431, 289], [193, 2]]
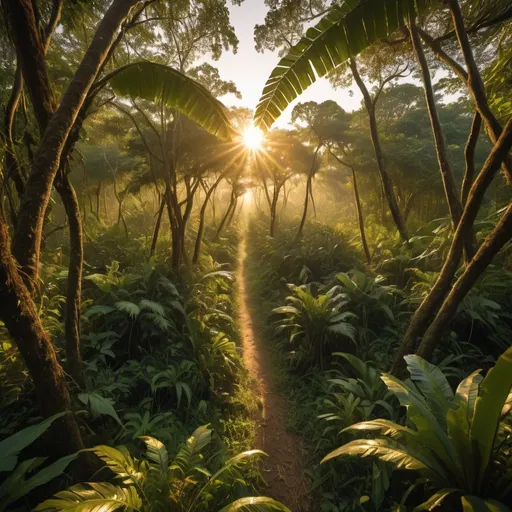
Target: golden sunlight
[[253, 137]]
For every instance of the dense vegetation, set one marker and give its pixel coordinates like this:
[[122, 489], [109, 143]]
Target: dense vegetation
[[379, 256]]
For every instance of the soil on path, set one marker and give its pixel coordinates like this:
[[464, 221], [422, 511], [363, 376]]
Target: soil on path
[[282, 468]]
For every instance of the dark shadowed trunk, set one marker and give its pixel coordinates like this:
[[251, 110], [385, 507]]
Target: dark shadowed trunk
[[13, 167], [360, 217], [309, 193], [423, 315], [379, 155], [500, 235], [21, 318], [469, 157], [74, 291], [156, 231]]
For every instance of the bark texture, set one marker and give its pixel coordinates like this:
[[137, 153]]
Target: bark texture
[[20, 316], [501, 234], [423, 315], [379, 155]]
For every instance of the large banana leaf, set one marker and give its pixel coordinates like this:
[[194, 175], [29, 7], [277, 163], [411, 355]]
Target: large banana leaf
[[345, 31], [159, 83], [386, 450], [494, 391], [93, 497], [475, 504]]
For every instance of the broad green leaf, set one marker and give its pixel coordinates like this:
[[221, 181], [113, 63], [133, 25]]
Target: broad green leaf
[[387, 428], [93, 497], [12, 446], [435, 500], [475, 504], [120, 462], [157, 453], [433, 385], [419, 413], [255, 504], [494, 391], [345, 31], [18, 487], [384, 449], [163, 84], [99, 405]]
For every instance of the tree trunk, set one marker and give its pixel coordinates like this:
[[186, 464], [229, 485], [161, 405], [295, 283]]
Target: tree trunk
[[421, 318], [98, 201], [450, 189], [157, 227], [273, 210], [469, 157], [379, 155], [360, 218], [20, 316], [305, 209], [13, 168], [476, 84], [74, 291], [501, 234], [27, 238], [226, 215]]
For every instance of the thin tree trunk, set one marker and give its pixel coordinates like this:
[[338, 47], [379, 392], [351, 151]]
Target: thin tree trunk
[[202, 213], [500, 235], [74, 291], [469, 157], [476, 84], [450, 189], [273, 210], [226, 215], [20, 316], [14, 170], [422, 316], [98, 201], [298, 236], [360, 218], [157, 227], [379, 155]]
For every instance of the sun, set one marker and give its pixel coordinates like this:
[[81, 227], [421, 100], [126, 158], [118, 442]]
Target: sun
[[253, 138]]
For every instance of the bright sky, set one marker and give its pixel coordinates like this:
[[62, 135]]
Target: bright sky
[[250, 69]]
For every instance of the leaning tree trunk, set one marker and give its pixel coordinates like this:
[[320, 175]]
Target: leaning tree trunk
[[202, 213], [476, 84], [226, 215], [450, 189], [75, 268], [20, 316], [27, 237], [422, 316], [273, 210], [379, 155], [501, 234]]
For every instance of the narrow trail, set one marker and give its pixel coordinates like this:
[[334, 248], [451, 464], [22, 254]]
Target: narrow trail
[[282, 469]]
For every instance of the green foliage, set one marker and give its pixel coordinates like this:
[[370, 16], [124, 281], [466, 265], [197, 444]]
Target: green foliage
[[347, 30], [165, 85], [157, 482], [316, 324], [457, 440]]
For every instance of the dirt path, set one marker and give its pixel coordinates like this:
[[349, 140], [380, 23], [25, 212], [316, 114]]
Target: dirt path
[[282, 469]]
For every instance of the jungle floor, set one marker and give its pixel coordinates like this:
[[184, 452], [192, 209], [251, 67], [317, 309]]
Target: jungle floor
[[283, 468]]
